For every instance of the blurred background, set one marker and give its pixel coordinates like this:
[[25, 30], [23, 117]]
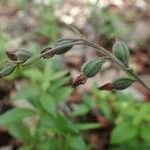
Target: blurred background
[[36, 24]]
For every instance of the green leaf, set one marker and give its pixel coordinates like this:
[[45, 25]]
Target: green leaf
[[124, 132], [48, 103], [80, 110], [59, 83], [62, 94], [88, 126], [57, 75], [20, 131], [87, 100], [28, 93], [145, 132], [77, 143], [26, 147], [30, 73], [15, 115], [145, 111], [64, 125]]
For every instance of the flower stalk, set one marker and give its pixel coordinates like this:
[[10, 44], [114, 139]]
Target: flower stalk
[[62, 46]]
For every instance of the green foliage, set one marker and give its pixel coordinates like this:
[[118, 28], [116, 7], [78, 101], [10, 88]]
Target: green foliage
[[44, 93], [131, 118], [15, 115], [48, 27]]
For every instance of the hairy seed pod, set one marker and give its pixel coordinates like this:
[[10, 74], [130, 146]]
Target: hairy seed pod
[[121, 51], [7, 70], [62, 42], [122, 83], [23, 55], [92, 67], [64, 46], [63, 50]]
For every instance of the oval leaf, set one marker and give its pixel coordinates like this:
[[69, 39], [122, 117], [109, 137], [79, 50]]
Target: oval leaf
[[15, 115]]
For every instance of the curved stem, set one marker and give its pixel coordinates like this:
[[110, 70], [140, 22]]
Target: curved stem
[[106, 53], [119, 63]]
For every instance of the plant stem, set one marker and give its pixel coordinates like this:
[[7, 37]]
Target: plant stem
[[119, 63], [106, 53]]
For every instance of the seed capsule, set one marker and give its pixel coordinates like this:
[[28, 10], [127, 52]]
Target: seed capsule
[[23, 55], [122, 83], [62, 42], [64, 49], [7, 71], [65, 46], [121, 51], [92, 67]]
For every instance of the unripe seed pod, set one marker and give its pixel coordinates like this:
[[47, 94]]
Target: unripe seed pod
[[63, 49], [121, 51], [62, 42], [122, 83], [23, 55], [92, 67], [65, 46], [7, 71]]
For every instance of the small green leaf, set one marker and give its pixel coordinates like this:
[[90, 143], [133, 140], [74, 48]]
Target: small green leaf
[[88, 126], [64, 125], [28, 93], [26, 147], [145, 132], [48, 103], [14, 115], [30, 73], [80, 110], [59, 83], [62, 94], [58, 75], [77, 143], [20, 131], [124, 132]]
